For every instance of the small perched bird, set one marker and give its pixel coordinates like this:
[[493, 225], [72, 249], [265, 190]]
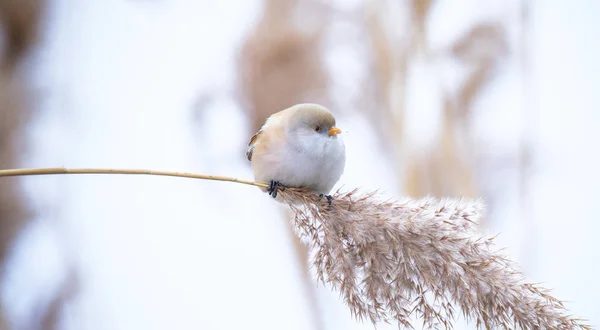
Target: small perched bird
[[298, 147]]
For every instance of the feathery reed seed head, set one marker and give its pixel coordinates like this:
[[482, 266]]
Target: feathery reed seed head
[[391, 261]]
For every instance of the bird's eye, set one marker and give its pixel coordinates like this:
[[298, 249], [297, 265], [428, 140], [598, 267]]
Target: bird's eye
[[317, 129]]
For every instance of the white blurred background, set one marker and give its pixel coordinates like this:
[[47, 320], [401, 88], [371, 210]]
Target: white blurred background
[[497, 99]]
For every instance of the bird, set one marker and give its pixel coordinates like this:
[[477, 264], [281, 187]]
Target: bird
[[298, 147]]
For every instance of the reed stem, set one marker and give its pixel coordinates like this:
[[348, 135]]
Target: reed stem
[[62, 170]]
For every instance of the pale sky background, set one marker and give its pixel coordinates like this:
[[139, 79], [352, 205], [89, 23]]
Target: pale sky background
[[116, 83]]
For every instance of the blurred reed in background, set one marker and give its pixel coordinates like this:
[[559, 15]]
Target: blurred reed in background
[[20, 22], [281, 63]]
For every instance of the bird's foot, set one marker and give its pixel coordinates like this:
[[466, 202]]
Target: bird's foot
[[274, 187], [328, 197]]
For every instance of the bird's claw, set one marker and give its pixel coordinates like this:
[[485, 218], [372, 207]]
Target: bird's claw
[[328, 197], [274, 187]]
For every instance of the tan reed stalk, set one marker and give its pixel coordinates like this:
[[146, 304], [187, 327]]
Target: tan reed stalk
[[62, 170]]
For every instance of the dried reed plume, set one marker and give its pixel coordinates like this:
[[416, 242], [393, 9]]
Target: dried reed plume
[[392, 261], [399, 260]]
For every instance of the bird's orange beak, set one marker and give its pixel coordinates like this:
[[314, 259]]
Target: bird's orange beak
[[334, 131]]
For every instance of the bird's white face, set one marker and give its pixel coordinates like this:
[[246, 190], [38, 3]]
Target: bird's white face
[[316, 151], [315, 136]]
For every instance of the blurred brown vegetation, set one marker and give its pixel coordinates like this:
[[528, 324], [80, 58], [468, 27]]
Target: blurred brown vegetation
[[280, 61], [20, 26], [20, 20], [281, 64]]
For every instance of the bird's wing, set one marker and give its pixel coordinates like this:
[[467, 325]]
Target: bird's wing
[[273, 123], [252, 144]]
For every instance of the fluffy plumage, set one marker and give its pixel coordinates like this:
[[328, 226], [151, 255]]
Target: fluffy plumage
[[299, 147]]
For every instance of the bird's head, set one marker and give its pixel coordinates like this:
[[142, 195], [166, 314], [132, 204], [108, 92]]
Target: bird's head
[[312, 128], [313, 120]]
